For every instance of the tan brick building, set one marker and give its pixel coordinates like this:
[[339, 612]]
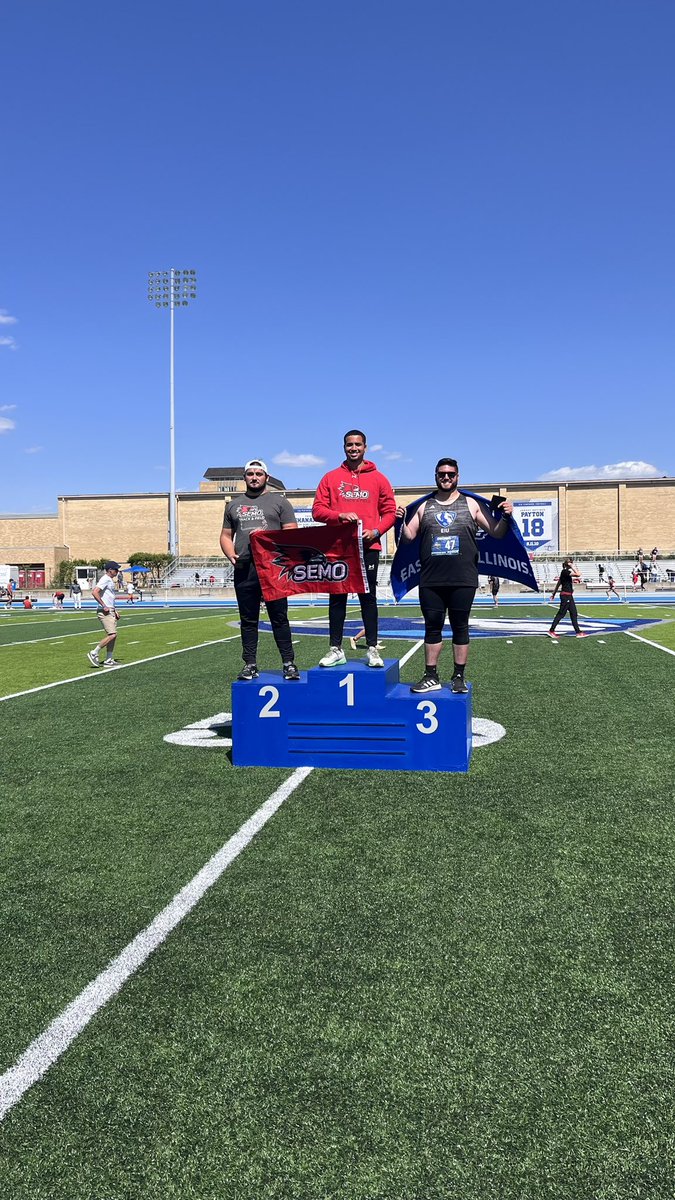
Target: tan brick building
[[612, 518]]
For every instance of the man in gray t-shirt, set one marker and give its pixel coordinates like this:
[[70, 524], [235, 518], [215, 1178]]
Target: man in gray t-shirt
[[256, 508]]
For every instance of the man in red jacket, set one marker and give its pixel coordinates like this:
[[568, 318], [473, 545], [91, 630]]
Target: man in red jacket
[[356, 491]]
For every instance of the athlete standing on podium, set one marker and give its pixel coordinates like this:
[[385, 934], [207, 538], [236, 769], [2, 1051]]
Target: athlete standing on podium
[[257, 508], [356, 491], [447, 524]]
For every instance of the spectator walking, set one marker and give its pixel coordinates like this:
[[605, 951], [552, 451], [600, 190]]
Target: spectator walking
[[644, 574], [104, 595], [566, 580], [494, 584], [356, 491], [601, 573], [358, 637]]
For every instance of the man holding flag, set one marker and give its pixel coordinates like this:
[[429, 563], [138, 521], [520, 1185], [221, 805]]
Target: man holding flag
[[448, 524], [257, 508]]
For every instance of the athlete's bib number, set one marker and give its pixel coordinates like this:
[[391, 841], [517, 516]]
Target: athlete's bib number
[[445, 544]]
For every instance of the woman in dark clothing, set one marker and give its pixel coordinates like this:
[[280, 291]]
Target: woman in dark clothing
[[566, 580]]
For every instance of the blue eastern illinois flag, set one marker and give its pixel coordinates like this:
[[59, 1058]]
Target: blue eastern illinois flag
[[323, 558], [506, 557]]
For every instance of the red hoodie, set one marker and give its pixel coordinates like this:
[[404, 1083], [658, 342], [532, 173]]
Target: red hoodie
[[364, 491]]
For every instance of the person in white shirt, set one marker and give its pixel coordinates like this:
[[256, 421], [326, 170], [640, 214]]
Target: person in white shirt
[[104, 595]]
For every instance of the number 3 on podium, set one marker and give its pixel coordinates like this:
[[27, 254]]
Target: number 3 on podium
[[429, 709]]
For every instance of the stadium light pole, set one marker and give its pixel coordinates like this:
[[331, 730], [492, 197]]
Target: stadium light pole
[[172, 289]]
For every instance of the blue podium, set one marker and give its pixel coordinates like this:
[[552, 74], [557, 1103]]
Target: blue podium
[[355, 717]]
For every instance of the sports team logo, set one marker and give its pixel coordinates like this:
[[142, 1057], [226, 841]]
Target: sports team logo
[[445, 519], [303, 564], [353, 493]]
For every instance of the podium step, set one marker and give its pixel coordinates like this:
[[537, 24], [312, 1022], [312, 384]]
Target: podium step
[[350, 717]]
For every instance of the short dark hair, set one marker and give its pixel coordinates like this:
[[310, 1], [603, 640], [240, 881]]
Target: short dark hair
[[446, 462], [355, 433]]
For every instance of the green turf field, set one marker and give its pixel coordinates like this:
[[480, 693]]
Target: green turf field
[[406, 986]]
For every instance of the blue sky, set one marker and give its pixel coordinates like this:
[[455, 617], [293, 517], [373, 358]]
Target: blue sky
[[447, 223]]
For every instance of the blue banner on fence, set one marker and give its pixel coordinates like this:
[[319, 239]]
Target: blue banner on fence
[[505, 557]]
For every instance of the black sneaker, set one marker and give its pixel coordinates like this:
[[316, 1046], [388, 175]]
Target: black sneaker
[[458, 685], [248, 671], [290, 671], [428, 683]]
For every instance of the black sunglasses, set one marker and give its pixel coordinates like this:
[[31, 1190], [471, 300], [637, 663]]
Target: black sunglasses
[[446, 474]]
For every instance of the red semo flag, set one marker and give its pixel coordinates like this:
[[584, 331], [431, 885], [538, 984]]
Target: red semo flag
[[318, 558]]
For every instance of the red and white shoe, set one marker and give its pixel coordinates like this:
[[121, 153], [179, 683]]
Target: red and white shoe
[[582, 635], [553, 636]]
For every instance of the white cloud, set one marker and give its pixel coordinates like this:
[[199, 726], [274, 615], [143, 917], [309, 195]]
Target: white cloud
[[6, 425], [10, 342], [33, 449], [7, 407], [391, 455], [284, 459], [620, 470], [374, 449], [5, 318]]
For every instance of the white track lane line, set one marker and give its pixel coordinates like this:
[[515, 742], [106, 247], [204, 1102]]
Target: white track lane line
[[50, 1045], [666, 649], [94, 674], [90, 632]]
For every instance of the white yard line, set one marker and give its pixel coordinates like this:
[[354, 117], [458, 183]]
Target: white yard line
[[89, 632], [94, 674], [409, 653], [666, 649], [51, 1044]]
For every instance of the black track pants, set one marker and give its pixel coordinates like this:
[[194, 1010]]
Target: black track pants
[[249, 596], [337, 605], [567, 605]]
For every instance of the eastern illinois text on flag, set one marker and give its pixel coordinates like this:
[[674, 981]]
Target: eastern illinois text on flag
[[505, 557], [324, 558]]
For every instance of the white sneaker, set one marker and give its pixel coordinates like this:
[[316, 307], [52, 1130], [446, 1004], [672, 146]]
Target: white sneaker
[[334, 658], [373, 658], [93, 658]]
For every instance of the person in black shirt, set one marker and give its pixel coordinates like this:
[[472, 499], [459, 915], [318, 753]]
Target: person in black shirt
[[257, 508], [566, 580], [447, 524]]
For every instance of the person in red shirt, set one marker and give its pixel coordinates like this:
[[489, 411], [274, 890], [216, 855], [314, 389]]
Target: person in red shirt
[[356, 491]]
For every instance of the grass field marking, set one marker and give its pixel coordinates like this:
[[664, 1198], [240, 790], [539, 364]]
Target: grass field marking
[[89, 632], [409, 653], [51, 1044], [94, 674], [647, 642]]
